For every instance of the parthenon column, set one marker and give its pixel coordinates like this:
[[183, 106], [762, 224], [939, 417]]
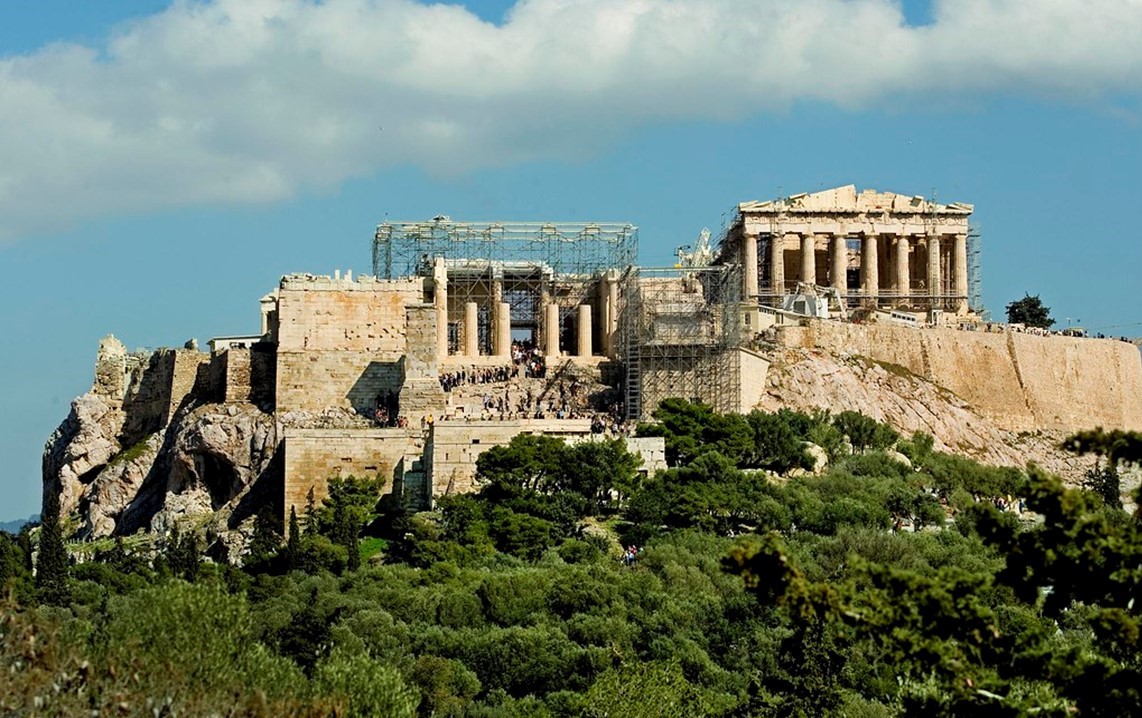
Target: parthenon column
[[611, 330], [584, 347], [471, 332], [870, 268], [960, 271], [839, 274], [551, 330], [808, 259], [749, 266], [777, 265], [934, 269], [903, 271]]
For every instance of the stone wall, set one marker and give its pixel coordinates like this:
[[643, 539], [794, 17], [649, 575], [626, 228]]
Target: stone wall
[[249, 375], [184, 377], [340, 341], [1023, 382], [753, 368], [313, 456], [454, 446]]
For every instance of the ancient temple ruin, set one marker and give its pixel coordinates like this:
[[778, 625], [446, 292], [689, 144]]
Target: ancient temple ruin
[[874, 249]]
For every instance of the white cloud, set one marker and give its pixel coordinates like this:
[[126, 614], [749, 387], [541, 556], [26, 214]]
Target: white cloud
[[245, 101]]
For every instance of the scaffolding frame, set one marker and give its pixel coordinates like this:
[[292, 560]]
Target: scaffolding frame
[[680, 336], [524, 264], [975, 271]]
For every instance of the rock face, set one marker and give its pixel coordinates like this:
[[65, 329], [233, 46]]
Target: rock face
[[153, 445], [808, 379]]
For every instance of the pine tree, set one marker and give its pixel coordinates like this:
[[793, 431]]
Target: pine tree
[[51, 565]]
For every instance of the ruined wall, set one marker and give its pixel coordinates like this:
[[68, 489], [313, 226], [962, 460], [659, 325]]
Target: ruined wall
[[340, 341], [1023, 382], [313, 456], [248, 375], [184, 375]]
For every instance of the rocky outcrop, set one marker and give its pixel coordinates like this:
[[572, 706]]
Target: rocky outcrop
[[152, 445], [80, 448], [808, 379]]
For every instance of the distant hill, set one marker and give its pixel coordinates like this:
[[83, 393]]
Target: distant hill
[[15, 525]]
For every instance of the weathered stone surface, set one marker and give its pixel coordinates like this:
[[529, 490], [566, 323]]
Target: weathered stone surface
[[819, 456], [116, 486], [80, 447], [810, 379], [215, 458]]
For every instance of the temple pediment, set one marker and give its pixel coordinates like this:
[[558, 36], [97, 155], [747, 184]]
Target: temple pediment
[[846, 199]]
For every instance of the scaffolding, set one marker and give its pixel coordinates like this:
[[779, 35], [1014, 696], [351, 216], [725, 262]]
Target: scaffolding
[[975, 271], [680, 335], [405, 249], [523, 264]]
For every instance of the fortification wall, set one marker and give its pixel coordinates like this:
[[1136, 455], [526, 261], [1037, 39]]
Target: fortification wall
[[313, 456], [1077, 383], [1023, 382], [248, 375], [340, 342]]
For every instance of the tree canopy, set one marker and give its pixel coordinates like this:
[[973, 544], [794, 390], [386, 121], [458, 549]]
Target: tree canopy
[[1030, 311]]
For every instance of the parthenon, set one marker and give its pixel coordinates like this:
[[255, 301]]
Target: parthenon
[[840, 239]]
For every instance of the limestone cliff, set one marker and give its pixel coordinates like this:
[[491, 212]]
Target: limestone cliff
[[813, 378], [152, 445]]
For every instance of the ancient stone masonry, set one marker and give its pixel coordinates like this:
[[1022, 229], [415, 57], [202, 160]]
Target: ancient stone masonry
[[474, 333], [875, 249]]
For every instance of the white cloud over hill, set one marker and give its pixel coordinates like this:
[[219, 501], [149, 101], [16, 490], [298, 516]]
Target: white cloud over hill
[[242, 101]]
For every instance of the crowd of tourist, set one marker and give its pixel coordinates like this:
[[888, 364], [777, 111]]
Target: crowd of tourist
[[526, 361]]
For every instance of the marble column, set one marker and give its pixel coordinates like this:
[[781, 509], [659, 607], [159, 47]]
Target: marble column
[[440, 301], [749, 267], [777, 265], [551, 330], [870, 268], [960, 271], [838, 275], [503, 334], [934, 269], [808, 259], [471, 330], [584, 327], [903, 271], [611, 330]]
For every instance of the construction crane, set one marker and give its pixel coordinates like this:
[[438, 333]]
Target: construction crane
[[702, 256]]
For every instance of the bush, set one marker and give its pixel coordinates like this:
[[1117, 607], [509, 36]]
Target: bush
[[362, 686]]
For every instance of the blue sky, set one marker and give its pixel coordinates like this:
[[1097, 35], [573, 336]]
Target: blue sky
[[161, 167]]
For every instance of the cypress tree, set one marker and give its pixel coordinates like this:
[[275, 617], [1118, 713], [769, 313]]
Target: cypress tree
[[293, 543], [51, 564]]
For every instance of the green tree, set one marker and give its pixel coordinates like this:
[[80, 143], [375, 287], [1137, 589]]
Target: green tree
[[350, 505], [51, 564], [861, 430], [292, 553], [266, 539], [777, 445], [14, 573], [692, 428], [182, 554], [1030, 311]]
